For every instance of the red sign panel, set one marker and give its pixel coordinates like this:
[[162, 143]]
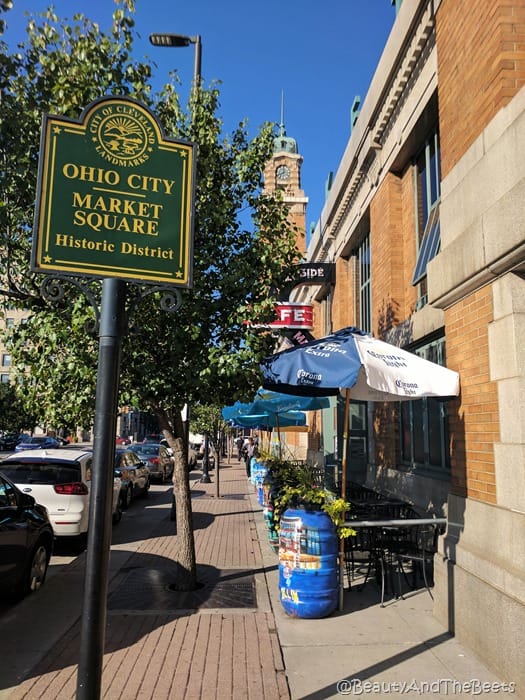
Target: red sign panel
[[292, 315]]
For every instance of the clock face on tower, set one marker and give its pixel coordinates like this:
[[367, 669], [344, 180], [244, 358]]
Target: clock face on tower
[[282, 173]]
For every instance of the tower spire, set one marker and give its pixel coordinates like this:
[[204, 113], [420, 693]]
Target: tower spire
[[283, 130], [282, 142]]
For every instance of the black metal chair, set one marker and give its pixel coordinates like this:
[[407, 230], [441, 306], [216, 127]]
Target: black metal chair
[[362, 555], [418, 549]]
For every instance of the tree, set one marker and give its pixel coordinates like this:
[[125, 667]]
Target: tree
[[244, 246], [13, 417]]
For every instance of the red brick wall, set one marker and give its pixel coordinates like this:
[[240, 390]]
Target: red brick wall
[[386, 229], [474, 421], [344, 295], [408, 222], [319, 313], [481, 66]]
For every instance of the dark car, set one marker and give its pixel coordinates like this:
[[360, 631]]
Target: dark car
[[40, 442], [26, 541], [8, 441], [134, 475], [158, 459]]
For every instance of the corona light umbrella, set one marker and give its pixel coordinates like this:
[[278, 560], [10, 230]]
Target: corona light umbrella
[[359, 365]]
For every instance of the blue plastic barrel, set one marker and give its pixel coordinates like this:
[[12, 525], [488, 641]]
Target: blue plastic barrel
[[258, 474], [308, 568], [254, 467]]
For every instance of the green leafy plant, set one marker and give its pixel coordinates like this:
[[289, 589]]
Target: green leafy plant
[[300, 486]]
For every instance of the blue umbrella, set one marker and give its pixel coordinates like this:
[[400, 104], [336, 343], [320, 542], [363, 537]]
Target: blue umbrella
[[238, 408], [271, 404], [265, 421], [241, 416], [274, 401], [351, 359]]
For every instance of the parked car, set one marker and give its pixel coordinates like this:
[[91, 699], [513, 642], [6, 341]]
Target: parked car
[[8, 441], [196, 441], [26, 541], [192, 457], [200, 454], [38, 442], [120, 440], [157, 458], [61, 481], [134, 475]]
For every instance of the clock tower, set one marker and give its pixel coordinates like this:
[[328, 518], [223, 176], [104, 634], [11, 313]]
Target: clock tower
[[283, 172]]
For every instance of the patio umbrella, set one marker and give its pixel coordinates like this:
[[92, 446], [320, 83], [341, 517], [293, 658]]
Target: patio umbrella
[[277, 402], [352, 359], [265, 421], [244, 415], [238, 409], [361, 365]]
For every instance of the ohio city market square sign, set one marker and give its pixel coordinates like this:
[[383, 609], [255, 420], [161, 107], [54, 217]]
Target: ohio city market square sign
[[115, 197]]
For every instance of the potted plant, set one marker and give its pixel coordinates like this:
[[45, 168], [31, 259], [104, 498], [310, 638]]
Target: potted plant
[[301, 487], [279, 474], [310, 522]]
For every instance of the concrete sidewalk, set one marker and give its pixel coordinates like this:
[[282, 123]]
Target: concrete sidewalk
[[231, 638]]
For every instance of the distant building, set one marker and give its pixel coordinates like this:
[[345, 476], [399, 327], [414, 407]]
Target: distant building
[[283, 172], [10, 317]]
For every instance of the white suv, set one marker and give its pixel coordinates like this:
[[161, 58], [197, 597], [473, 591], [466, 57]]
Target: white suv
[[60, 480]]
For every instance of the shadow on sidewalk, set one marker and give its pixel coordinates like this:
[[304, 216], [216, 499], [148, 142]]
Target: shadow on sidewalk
[[143, 600], [352, 684]]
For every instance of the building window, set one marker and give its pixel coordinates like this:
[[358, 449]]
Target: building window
[[429, 246], [428, 193], [424, 423], [9, 322], [365, 285], [6, 360], [4, 378]]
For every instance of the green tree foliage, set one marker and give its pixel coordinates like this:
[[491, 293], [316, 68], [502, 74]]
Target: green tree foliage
[[244, 246], [13, 417]]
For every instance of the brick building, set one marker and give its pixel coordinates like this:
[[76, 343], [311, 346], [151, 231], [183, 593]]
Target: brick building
[[424, 223]]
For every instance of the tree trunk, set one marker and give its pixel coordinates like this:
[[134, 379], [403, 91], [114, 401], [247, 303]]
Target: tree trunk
[[187, 577]]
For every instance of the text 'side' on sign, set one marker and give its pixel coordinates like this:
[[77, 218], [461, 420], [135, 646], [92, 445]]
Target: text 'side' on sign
[[115, 197]]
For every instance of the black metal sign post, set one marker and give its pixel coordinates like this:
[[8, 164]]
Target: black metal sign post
[[112, 327]]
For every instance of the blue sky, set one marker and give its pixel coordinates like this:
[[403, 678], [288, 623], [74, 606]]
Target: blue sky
[[319, 55]]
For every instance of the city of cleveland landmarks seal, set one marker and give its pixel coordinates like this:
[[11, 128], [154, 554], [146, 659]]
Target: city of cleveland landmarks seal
[[122, 134]]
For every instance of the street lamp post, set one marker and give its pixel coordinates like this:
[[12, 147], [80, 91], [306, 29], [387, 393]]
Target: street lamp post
[[205, 478], [177, 40]]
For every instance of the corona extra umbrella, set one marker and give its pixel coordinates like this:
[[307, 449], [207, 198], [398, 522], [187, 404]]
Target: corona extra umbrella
[[352, 359]]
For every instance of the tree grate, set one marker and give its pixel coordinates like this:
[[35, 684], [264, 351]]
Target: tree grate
[[149, 590]]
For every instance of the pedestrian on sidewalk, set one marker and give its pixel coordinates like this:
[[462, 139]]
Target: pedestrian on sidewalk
[[239, 442], [250, 452]]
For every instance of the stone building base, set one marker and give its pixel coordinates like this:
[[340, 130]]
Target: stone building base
[[479, 592]]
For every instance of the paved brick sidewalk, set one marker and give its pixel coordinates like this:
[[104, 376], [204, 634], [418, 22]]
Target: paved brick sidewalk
[[215, 643]]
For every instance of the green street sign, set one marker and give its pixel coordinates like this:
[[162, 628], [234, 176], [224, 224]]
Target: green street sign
[[115, 197]]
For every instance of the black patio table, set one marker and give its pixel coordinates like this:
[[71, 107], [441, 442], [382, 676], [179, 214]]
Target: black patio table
[[389, 541]]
